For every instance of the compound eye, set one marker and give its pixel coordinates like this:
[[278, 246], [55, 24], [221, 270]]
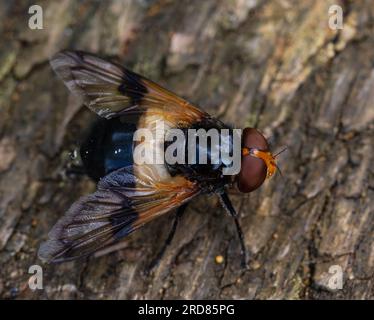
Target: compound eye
[[253, 170]]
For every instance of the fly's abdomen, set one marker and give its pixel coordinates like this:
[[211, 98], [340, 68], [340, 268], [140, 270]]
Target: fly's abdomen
[[108, 147]]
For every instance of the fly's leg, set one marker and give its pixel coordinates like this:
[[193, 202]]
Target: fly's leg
[[170, 237], [226, 203]]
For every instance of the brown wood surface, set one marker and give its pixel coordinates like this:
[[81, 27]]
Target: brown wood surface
[[271, 64]]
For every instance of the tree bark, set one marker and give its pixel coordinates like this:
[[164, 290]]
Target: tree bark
[[275, 65]]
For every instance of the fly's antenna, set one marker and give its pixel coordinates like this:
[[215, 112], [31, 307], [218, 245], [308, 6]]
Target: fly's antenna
[[278, 153]]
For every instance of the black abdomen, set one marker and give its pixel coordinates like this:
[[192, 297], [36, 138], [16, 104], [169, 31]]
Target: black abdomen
[[108, 147]]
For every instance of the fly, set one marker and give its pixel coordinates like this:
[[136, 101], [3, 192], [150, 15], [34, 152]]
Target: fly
[[130, 194]]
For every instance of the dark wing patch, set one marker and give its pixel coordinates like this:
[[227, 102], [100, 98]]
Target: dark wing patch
[[111, 90], [124, 201]]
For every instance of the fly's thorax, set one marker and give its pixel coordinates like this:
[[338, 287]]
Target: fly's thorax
[[206, 152]]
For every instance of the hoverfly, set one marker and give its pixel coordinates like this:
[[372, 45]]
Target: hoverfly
[[130, 195]]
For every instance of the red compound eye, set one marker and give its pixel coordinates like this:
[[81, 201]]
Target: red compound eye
[[253, 170]]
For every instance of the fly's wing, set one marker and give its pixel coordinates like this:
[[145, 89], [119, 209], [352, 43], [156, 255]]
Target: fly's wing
[[125, 200], [111, 90]]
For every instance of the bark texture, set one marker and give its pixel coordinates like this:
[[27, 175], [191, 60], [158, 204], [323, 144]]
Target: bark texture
[[271, 64]]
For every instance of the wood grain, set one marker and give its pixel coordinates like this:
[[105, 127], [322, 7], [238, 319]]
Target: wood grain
[[271, 64]]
